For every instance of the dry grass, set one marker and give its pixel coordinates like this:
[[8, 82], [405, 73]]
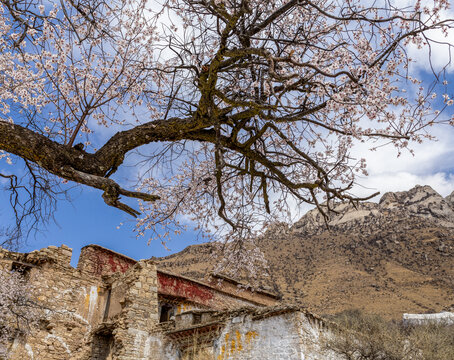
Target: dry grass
[[384, 270], [370, 337]]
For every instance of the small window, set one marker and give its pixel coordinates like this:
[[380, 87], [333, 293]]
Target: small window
[[167, 311], [22, 269], [197, 319]]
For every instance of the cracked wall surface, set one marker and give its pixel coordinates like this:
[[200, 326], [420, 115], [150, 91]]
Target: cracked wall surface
[[70, 300], [113, 307]]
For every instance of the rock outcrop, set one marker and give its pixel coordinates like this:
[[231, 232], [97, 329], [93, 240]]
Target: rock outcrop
[[421, 202], [390, 257]]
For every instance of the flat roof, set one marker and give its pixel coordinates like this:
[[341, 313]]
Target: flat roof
[[236, 282]]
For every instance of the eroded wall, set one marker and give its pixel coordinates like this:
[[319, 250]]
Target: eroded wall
[[112, 313], [98, 261], [190, 291], [291, 335], [71, 303], [137, 302], [89, 314]]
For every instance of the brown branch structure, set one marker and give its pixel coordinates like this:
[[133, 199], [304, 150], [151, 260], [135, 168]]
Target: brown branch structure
[[203, 106]]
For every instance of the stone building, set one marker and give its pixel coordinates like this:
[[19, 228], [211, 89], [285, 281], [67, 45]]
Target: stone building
[[114, 307]]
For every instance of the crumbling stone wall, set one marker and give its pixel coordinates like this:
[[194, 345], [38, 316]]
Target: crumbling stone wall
[[86, 315], [98, 261], [71, 304], [138, 311], [110, 311]]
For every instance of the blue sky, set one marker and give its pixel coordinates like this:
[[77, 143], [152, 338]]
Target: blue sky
[[87, 219]]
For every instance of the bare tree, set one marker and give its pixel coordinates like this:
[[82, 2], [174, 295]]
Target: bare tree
[[363, 336], [432, 341], [33, 197], [234, 108], [18, 312]]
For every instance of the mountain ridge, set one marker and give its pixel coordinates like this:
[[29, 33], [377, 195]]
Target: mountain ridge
[[389, 257]]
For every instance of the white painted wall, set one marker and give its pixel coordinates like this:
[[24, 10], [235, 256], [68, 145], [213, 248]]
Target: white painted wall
[[443, 317], [289, 336]]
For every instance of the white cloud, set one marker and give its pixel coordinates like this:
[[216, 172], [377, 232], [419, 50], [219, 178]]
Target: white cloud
[[439, 53], [429, 156], [431, 164], [441, 182]]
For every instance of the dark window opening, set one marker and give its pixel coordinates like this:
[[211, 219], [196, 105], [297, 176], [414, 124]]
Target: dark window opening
[[197, 319], [167, 311], [22, 269], [106, 310], [102, 346]]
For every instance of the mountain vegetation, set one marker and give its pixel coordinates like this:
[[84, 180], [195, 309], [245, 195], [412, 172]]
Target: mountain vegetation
[[391, 257]]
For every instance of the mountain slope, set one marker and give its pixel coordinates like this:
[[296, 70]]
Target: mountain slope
[[392, 257]]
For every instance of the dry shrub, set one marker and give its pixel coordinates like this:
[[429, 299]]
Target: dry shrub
[[432, 341], [360, 336], [18, 312]]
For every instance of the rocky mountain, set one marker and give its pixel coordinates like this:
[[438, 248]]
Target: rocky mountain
[[389, 257]]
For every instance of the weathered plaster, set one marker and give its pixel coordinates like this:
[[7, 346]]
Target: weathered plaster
[[109, 309]]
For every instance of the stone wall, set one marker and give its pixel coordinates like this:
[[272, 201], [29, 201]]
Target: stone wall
[[88, 314], [71, 304], [112, 312], [446, 318], [138, 311], [271, 333], [98, 261]]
